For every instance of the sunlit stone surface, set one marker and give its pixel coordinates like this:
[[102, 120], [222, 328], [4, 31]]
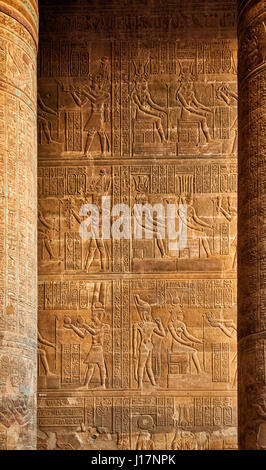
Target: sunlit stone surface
[[18, 244]]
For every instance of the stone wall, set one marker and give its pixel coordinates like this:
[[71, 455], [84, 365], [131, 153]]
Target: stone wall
[[137, 343]]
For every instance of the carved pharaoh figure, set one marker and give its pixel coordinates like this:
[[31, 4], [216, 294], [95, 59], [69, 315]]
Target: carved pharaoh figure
[[141, 200], [42, 342], [97, 93], [44, 118], [45, 234], [142, 349], [97, 329], [193, 222], [96, 244]]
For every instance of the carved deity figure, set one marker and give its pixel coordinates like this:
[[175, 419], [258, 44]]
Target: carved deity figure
[[96, 243], [42, 342], [97, 329], [97, 94], [227, 95], [45, 234], [146, 107], [44, 118], [177, 441], [191, 108], [194, 222], [184, 440], [145, 441], [142, 341], [182, 340], [140, 201]]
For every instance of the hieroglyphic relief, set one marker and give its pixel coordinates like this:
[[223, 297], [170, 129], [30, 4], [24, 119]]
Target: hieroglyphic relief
[[140, 119], [208, 190], [18, 260], [139, 99], [137, 422]]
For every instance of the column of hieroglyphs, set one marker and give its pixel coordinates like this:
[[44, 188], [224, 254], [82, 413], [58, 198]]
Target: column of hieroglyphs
[[18, 48], [251, 265]]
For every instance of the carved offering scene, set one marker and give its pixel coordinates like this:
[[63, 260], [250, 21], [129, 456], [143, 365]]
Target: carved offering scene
[[137, 145], [135, 99]]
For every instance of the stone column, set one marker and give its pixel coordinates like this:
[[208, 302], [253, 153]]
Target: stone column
[[251, 228], [18, 216]]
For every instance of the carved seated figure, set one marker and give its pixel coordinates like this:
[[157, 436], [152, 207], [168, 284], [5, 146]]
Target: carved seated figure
[[191, 109], [147, 123], [182, 352], [193, 118]]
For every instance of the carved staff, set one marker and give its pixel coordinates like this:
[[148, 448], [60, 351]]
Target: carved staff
[[58, 113], [55, 341], [167, 105], [69, 204], [135, 361], [203, 342], [59, 223], [214, 212]]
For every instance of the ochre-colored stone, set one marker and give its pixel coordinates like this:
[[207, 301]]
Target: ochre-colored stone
[[251, 201], [18, 243], [137, 344]]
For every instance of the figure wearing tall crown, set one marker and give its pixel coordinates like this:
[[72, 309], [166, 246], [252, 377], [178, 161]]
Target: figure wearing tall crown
[[145, 107], [97, 94], [143, 332]]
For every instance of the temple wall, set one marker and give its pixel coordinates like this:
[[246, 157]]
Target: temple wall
[[137, 343]]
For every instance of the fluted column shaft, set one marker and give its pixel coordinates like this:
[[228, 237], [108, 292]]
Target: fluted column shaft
[[18, 220], [251, 225]]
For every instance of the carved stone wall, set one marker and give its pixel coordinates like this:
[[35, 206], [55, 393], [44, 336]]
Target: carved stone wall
[[18, 228], [251, 257], [137, 344]]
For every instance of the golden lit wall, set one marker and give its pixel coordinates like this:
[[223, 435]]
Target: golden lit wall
[[137, 343], [18, 214]]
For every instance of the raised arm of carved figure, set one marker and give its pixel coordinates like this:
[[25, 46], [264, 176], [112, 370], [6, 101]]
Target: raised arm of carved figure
[[176, 337], [136, 330], [153, 104], [190, 337], [45, 107], [44, 341], [200, 221], [159, 330], [200, 105]]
